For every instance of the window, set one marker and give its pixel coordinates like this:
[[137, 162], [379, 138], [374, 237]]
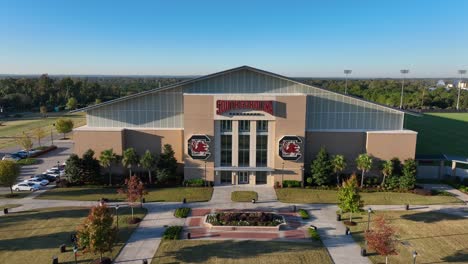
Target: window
[[262, 126], [244, 126], [226, 126], [226, 150], [262, 150], [226, 177], [261, 177], [244, 149]]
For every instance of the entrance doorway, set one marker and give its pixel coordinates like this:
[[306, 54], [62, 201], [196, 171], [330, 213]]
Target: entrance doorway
[[261, 177], [243, 177]]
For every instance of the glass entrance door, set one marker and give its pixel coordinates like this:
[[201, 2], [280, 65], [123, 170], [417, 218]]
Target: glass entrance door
[[243, 177]]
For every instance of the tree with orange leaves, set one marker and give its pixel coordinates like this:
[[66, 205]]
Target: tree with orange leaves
[[382, 238], [134, 190]]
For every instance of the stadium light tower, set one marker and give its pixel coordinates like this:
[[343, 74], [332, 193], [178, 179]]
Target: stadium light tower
[[461, 72], [403, 72], [347, 72]]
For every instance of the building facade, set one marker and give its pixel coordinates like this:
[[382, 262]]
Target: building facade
[[246, 126]]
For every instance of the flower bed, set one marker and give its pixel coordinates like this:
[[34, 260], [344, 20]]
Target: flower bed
[[245, 219]]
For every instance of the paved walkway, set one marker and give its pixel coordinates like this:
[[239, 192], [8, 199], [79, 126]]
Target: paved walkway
[[444, 187]]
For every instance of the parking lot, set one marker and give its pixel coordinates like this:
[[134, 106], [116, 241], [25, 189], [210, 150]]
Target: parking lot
[[46, 161]]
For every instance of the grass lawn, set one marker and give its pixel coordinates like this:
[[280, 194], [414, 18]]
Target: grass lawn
[[94, 193], [16, 195], [437, 237], [298, 195], [35, 236], [440, 133], [16, 126], [244, 196], [248, 252]]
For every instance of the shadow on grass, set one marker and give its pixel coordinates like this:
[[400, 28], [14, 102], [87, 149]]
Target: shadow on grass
[[460, 256], [431, 217], [233, 249]]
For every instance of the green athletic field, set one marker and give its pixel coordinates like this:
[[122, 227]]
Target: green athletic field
[[440, 133]]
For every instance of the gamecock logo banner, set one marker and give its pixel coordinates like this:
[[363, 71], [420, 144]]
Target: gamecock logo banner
[[199, 147], [290, 148]]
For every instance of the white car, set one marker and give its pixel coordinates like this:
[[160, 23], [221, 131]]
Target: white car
[[25, 186], [55, 172], [11, 157], [37, 181]]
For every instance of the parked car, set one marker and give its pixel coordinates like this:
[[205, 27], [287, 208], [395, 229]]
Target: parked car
[[38, 181], [24, 186], [54, 171], [48, 177], [22, 154], [12, 157]]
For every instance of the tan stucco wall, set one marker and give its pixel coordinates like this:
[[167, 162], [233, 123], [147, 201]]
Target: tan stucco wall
[[348, 144], [198, 119], [98, 141], [154, 141], [387, 145]]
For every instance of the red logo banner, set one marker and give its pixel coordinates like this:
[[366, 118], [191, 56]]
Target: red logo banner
[[223, 106]]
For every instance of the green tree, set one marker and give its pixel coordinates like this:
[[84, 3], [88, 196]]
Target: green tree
[[321, 168], [9, 172], [90, 168], [107, 158], [364, 164], [338, 164], [97, 233], [24, 141], [397, 166], [134, 190], [163, 176], [148, 161], [408, 179], [167, 160], [39, 133], [387, 170], [73, 168], [129, 159], [72, 103], [43, 111], [310, 180], [349, 198], [64, 126]]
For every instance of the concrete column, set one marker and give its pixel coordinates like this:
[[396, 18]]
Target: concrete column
[[454, 168]]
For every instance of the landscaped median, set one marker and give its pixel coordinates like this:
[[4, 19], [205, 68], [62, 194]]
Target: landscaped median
[[94, 193], [299, 195], [35, 236], [245, 252], [436, 237]]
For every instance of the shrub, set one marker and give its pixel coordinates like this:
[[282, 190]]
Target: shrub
[[407, 182], [465, 181], [310, 180], [182, 212], [314, 234], [456, 180], [172, 233], [197, 182], [371, 181], [321, 168], [392, 182], [27, 161], [291, 183], [303, 214], [63, 183]]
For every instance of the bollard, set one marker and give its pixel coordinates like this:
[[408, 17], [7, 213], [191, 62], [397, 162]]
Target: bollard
[[145, 261], [407, 207], [184, 200], [63, 248], [253, 201], [143, 200], [348, 232], [338, 217], [5, 210], [189, 236], [55, 260], [363, 252]]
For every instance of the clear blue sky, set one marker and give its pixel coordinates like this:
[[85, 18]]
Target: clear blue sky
[[374, 38]]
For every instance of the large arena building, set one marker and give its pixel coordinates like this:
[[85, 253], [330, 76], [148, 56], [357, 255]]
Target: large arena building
[[246, 126]]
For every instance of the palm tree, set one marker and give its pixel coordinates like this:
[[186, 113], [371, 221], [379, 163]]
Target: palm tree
[[106, 159], [148, 161], [338, 164], [364, 164], [129, 159], [387, 170]]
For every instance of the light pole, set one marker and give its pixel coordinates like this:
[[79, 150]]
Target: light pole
[[369, 211], [58, 165], [461, 72], [403, 72], [117, 215], [415, 254], [205, 174], [302, 176], [346, 72]]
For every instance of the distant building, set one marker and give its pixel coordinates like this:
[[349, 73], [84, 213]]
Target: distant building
[[440, 83]]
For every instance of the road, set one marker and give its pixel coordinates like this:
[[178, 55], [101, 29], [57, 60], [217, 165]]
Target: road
[[46, 161]]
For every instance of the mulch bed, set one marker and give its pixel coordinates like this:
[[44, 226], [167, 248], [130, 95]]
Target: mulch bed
[[348, 223], [133, 221]]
